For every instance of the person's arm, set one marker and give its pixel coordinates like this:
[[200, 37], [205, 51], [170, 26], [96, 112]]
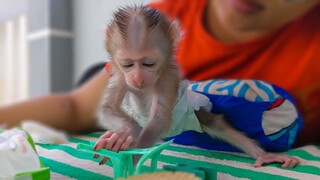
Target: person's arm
[[73, 112]]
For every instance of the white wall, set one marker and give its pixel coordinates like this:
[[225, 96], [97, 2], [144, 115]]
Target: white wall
[[13, 51], [90, 19]]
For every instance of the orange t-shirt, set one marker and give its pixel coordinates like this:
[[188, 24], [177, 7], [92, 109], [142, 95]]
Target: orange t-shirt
[[289, 58]]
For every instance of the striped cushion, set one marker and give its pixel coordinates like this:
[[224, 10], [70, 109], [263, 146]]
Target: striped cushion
[[66, 162]]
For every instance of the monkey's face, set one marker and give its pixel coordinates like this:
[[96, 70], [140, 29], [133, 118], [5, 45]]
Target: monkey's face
[[140, 68]]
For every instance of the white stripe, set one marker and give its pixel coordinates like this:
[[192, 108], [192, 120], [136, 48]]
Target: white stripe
[[50, 32], [309, 162], [313, 150], [87, 138], [54, 175], [240, 165], [63, 157], [223, 176]]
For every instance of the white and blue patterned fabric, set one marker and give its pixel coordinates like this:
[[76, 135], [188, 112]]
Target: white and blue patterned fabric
[[262, 111]]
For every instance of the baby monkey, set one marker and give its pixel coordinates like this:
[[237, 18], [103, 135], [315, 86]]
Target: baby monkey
[[136, 108], [144, 74]]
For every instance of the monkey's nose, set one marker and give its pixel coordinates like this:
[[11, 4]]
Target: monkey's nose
[[139, 82]]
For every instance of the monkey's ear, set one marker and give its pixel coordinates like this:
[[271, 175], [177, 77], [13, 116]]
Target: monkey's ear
[[175, 32]]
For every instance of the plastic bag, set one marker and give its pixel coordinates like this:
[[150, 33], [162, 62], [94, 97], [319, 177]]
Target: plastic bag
[[18, 157]]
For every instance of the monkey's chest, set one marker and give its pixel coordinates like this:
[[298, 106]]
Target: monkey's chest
[[137, 108]]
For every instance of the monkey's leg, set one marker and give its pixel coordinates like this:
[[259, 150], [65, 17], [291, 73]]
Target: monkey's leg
[[217, 126]]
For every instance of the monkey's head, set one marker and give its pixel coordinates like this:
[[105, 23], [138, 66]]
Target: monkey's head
[[141, 42]]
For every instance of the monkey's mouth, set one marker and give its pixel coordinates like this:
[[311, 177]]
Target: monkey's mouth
[[136, 87]]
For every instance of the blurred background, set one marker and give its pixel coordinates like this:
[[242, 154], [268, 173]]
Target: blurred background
[[45, 45]]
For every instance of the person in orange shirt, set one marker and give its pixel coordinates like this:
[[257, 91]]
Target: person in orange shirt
[[277, 41]]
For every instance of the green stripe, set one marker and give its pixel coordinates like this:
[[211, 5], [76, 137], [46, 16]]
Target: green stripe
[[73, 152], [302, 154], [71, 171], [233, 171]]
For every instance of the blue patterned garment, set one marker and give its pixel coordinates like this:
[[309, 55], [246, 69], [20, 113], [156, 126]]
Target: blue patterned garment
[[262, 111]]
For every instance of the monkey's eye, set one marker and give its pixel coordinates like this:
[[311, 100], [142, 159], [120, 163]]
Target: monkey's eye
[[148, 64], [126, 65]]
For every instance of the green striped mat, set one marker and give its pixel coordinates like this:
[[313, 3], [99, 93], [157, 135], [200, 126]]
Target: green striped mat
[[66, 162]]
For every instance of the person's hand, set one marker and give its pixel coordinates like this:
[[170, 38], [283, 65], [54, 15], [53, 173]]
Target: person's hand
[[285, 160]]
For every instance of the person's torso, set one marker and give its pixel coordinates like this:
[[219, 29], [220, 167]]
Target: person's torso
[[289, 58]]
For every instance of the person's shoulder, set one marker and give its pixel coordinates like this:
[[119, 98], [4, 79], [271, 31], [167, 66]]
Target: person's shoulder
[[175, 9], [312, 18], [315, 11]]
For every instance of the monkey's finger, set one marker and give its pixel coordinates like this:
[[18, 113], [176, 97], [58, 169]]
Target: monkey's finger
[[107, 134], [294, 163], [127, 143], [258, 163], [290, 162], [263, 160], [100, 144], [103, 160], [117, 145], [286, 163], [112, 140]]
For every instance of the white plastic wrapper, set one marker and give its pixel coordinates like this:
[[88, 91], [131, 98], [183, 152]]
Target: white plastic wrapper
[[183, 114], [16, 154], [184, 117], [196, 100]]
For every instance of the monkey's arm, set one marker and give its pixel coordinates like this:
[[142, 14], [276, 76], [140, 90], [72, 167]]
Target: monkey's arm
[[216, 126], [121, 129], [163, 103]]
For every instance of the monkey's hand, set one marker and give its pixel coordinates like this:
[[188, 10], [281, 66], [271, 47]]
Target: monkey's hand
[[117, 140], [285, 160]]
